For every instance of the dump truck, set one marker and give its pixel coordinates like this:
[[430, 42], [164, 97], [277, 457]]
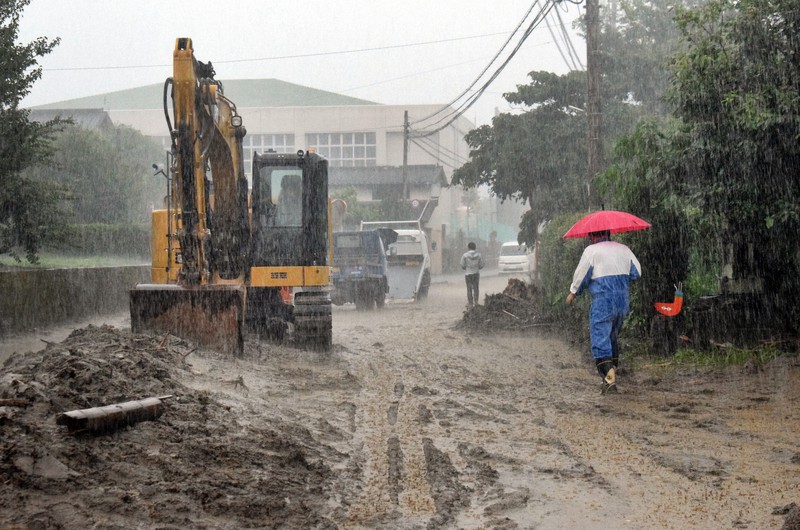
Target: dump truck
[[408, 259], [359, 267], [225, 259]]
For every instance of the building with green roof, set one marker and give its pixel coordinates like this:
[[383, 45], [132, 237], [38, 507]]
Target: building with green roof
[[364, 141], [245, 92]]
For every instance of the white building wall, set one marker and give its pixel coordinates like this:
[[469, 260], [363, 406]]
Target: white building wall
[[445, 148]]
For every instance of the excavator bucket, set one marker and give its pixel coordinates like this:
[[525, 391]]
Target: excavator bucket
[[210, 315]]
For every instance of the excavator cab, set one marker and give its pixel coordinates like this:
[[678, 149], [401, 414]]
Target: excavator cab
[[289, 280]]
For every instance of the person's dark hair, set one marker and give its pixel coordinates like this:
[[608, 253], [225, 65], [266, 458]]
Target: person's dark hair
[[471, 245], [603, 234]]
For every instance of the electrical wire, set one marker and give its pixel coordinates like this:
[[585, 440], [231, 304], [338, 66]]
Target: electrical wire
[[438, 156], [463, 107], [457, 112], [503, 47], [452, 155], [426, 151], [570, 44], [281, 57], [566, 57]]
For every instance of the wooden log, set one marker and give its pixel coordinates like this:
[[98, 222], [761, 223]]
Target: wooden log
[[112, 417], [14, 402]]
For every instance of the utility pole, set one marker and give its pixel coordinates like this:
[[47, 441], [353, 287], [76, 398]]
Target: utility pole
[[405, 155], [595, 137]]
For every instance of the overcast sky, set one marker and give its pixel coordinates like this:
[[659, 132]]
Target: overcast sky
[[402, 52]]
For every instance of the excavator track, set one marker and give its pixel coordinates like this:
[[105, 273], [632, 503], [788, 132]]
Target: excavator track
[[313, 322]]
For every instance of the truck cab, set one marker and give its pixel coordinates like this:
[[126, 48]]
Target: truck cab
[[359, 267]]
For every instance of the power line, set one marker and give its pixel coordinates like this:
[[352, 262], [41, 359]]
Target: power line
[[568, 60], [568, 40], [433, 155], [438, 156], [503, 47], [463, 107], [282, 57], [450, 154]]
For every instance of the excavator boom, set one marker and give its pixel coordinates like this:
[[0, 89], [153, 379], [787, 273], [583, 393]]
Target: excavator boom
[[200, 240]]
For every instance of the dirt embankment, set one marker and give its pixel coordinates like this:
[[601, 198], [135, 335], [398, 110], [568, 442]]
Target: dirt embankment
[[413, 421]]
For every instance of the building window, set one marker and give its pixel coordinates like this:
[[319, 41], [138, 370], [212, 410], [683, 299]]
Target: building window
[[261, 143], [252, 143], [345, 149]]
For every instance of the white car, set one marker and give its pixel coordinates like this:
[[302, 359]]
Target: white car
[[516, 258]]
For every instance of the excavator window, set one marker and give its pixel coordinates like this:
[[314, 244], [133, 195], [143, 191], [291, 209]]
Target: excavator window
[[289, 203]]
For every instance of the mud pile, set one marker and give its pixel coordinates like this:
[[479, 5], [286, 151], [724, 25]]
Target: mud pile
[[515, 309], [197, 466]]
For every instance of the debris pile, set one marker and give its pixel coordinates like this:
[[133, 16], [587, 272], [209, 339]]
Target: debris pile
[[515, 309], [192, 466]]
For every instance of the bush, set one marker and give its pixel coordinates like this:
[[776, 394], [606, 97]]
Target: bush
[[557, 261], [107, 240]]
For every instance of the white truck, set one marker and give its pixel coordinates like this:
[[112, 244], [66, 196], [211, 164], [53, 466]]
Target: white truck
[[408, 259]]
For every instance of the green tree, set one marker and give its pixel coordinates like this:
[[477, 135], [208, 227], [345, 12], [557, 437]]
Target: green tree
[[535, 157], [650, 178], [736, 89], [638, 41], [721, 178], [27, 212], [105, 176], [539, 156], [356, 212]]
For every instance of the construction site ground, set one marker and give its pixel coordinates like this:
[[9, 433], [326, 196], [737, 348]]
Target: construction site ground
[[424, 415]]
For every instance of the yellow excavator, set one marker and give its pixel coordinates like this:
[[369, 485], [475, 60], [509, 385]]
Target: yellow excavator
[[225, 258]]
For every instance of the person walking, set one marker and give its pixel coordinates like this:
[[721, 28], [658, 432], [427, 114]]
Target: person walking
[[605, 269], [472, 263]]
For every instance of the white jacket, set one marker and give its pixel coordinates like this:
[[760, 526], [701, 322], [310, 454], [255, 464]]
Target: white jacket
[[472, 262]]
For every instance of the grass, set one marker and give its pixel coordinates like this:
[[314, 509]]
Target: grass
[[723, 357], [54, 260]]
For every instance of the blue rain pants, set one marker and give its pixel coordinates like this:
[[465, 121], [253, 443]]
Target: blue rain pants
[[606, 316]]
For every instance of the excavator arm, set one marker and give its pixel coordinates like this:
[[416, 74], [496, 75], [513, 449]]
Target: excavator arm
[[208, 236]]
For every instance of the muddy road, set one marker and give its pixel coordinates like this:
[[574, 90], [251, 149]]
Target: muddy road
[[410, 423]]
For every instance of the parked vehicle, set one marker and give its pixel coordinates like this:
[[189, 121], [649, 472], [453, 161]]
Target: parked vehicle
[[516, 258], [359, 267], [408, 258]]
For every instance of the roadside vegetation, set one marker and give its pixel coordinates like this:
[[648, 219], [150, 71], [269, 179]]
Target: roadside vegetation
[[57, 177], [706, 154], [55, 260]]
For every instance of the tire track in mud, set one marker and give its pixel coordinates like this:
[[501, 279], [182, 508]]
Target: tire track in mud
[[437, 428], [409, 481], [395, 485], [430, 465], [455, 430]]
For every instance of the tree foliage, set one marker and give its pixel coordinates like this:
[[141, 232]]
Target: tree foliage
[[27, 213], [533, 156], [539, 156], [104, 176], [726, 170], [736, 87], [650, 179]]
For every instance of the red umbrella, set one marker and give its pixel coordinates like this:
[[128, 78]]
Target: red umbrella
[[611, 220]]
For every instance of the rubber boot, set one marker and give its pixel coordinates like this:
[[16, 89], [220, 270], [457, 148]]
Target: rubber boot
[[608, 372]]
